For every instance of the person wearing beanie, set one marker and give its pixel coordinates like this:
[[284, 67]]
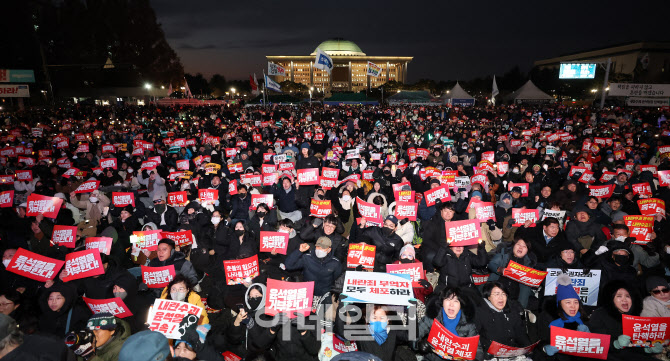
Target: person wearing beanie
[[388, 243], [110, 334], [422, 288], [306, 159], [145, 346], [657, 303], [618, 298]]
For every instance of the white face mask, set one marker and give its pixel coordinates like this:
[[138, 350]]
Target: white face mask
[[130, 170], [346, 198], [178, 296], [515, 171], [93, 199], [320, 253], [216, 220], [5, 262], [620, 239]]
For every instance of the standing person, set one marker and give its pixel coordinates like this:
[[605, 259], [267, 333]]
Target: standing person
[[319, 265]]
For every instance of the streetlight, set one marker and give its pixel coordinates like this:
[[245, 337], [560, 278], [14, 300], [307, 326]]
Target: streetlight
[[162, 86], [594, 90], [147, 86]]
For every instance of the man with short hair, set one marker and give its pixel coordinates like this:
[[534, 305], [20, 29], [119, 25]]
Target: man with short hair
[[546, 242], [167, 255], [388, 243], [317, 265]]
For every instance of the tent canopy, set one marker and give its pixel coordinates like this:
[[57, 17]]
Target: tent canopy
[[530, 91], [457, 92]]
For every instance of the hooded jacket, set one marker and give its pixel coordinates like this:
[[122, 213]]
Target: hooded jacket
[[457, 271], [506, 326], [55, 322], [388, 246]]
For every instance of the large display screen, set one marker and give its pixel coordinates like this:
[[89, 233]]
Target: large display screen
[[577, 71]]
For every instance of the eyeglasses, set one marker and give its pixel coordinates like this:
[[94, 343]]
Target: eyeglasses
[[664, 290]]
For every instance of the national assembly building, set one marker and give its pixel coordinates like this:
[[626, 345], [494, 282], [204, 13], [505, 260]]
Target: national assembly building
[[349, 68]]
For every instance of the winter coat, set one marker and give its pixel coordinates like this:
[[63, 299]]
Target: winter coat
[[194, 299], [507, 327], [55, 322], [388, 246], [93, 210], [110, 350], [457, 271], [543, 251], [169, 215], [576, 229], [501, 259], [653, 307], [40, 347], [239, 208], [285, 201], [323, 271], [181, 266]]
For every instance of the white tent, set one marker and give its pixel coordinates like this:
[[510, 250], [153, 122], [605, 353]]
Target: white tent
[[458, 96], [530, 93]]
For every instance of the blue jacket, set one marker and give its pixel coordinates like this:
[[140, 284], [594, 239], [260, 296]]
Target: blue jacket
[[323, 271], [285, 201]]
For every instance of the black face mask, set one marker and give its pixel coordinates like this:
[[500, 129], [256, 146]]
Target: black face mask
[[261, 214], [254, 302], [387, 231], [239, 232], [621, 259], [405, 260], [242, 195], [159, 208]]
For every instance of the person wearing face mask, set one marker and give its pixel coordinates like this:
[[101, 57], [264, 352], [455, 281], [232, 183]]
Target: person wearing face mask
[[424, 288], [343, 204], [317, 264], [405, 228], [263, 220], [239, 204], [646, 256], [163, 215], [618, 298], [126, 289], [181, 289], [93, 203], [388, 243], [615, 261]]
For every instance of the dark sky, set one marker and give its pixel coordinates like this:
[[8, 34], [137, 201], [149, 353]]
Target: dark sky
[[449, 40]]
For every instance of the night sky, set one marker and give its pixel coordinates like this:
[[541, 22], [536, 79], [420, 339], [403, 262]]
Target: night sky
[[449, 40]]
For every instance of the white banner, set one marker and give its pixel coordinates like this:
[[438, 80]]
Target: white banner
[[632, 90], [373, 69], [14, 91], [586, 286], [379, 288], [648, 102], [165, 316], [275, 69], [560, 215]]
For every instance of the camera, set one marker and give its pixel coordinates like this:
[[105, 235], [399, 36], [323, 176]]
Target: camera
[[82, 343]]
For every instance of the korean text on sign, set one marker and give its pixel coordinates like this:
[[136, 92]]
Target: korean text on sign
[[445, 343], [166, 315], [289, 297], [239, 269]]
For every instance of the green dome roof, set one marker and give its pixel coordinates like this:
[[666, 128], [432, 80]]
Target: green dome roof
[[340, 46]]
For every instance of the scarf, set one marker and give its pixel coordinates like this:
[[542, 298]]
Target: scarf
[[378, 330], [559, 322], [450, 324]]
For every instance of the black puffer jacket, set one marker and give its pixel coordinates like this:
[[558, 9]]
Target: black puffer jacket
[[339, 245], [388, 246], [55, 322], [507, 327], [457, 271], [576, 229]]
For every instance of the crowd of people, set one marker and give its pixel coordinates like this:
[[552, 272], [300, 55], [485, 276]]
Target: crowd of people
[[517, 157]]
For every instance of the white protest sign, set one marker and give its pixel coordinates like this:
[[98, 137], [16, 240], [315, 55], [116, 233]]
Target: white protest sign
[[378, 288], [586, 285]]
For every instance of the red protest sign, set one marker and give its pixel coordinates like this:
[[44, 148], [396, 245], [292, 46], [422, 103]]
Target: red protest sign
[[34, 266], [463, 233], [24, 175], [643, 189], [232, 187], [176, 199], [102, 244], [289, 297], [521, 215], [229, 356], [182, 164], [480, 279], [604, 191], [407, 210], [414, 270], [181, 239], [157, 277], [397, 187], [270, 178], [576, 343], [83, 264], [268, 168], [48, 206], [147, 239], [644, 331], [254, 180], [651, 206], [6, 199], [503, 168], [108, 163], [523, 186], [122, 199], [405, 196], [664, 178], [115, 306], [484, 211], [257, 199], [309, 176], [369, 210], [499, 350], [445, 343], [277, 241], [441, 193], [522, 274], [361, 254], [341, 346], [285, 166], [320, 209], [607, 176], [88, 186], [330, 173], [208, 196], [239, 269], [64, 236]]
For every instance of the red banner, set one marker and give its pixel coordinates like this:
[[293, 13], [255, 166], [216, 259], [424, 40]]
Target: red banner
[[644, 331], [182, 164], [361, 254], [257, 199], [239, 269], [6, 199], [64, 236], [176, 199], [88, 186], [108, 163], [83, 264], [441, 193], [285, 166], [208, 196], [522, 274], [115, 306], [500, 350], [651, 206], [405, 196], [157, 277], [330, 173], [604, 191], [484, 211], [48, 206], [181, 239], [576, 343], [521, 215], [309, 176], [277, 241], [407, 210], [463, 233], [34, 266], [270, 178], [255, 180], [122, 199], [480, 279], [664, 178], [268, 168], [289, 297], [320, 209], [341, 346], [101, 244], [24, 175], [446, 343], [414, 270], [229, 356], [146, 239], [369, 210], [232, 187], [643, 189]]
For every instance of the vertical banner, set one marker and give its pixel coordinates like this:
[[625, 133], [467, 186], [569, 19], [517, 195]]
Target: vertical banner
[[239, 269], [289, 297], [576, 343]]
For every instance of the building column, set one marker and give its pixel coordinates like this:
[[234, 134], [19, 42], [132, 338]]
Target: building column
[[404, 72], [351, 86], [311, 74], [388, 71], [292, 77]]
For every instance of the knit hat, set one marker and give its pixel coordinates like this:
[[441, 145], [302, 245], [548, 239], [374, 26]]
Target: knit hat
[[564, 289], [655, 281], [304, 145], [477, 194], [145, 346], [408, 249], [102, 321], [505, 196], [618, 216]]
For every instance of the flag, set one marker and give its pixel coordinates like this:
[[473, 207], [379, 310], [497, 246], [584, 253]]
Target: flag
[[169, 90], [258, 91], [271, 84], [275, 69], [373, 69], [323, 61], [254, 84], [495, 91], [187, 91]]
